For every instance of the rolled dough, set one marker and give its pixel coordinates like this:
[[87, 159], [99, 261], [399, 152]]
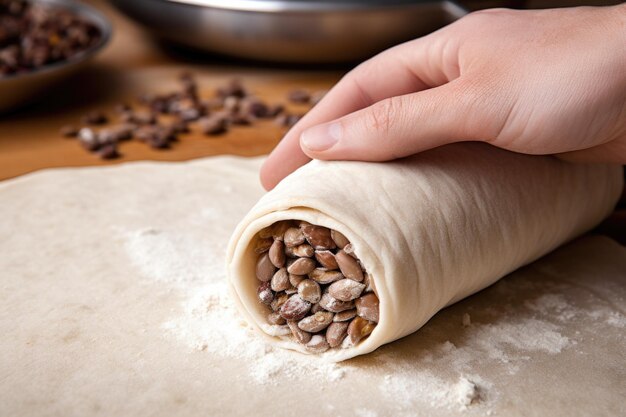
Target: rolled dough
[[430, 229], [113, 302]]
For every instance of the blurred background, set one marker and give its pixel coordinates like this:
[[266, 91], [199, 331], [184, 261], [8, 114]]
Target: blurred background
[[98, 82], [101, 82]]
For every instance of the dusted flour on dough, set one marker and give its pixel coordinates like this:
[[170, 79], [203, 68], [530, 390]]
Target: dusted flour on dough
[[210, 321], [110, 293], [431, 229]]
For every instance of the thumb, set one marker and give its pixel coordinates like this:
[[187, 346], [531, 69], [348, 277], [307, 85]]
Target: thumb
[[398, 126]]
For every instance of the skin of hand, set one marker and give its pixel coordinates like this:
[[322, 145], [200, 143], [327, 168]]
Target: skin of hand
[[532, 81]]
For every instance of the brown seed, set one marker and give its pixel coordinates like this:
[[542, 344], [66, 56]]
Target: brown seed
[[296, 279], [275, 319], [156, 136], [214, 124], [300, 335], [287, 119], [88, 139], [317, 322], [310, 291], [254, 107], [266, 296], [139, 118], [275, 110], [359, 328], [367, 307], [234, 87], [276, 254], [346, 289], [266, 232], [367, 280], [336, 332], [329, 303], [231, 104], [325, 277], [123, 108], [317, 96], [108, 151], [116, 133], [340, 240], [279, 229], [349, 266], [264, 268], [279, 300], [263, 245], [317, 344], [326, 258], [345, 315], [349, 249], [302, 266], [302, 251], [315, 308], [179, 126], [280, 280], [291, 290], [241, 119], [299, 96], [318, 236], [70, 131], [295, 308], [95, 118], [294, 237]]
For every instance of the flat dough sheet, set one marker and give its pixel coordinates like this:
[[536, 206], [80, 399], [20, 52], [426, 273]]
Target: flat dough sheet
[[114, 301]]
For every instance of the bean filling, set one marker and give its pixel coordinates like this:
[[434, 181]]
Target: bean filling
[[314, 285]]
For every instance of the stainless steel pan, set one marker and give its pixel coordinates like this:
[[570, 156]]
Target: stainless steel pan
[[310, 31]]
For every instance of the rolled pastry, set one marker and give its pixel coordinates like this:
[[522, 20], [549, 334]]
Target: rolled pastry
[[431, 229]]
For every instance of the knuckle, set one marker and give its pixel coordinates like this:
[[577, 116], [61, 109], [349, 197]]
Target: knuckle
[[384, 115], [477, 106]]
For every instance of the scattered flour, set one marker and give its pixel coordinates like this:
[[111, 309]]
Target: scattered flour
[[554, 305], [527, 334], [410, 390], [507, 342], [612, 318], [616, 319], [466, 321], [364, 412], [210, 321], [465, 392], [172, 258]]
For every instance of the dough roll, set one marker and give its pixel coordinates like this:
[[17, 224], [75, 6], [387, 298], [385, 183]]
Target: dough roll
[[431, 229]]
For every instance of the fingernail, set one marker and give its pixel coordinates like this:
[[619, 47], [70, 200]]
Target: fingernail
[[322, 137]]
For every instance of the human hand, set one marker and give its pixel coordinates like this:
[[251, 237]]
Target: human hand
[[536, 82]]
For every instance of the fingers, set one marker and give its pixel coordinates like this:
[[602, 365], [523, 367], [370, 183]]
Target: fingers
[[414, 66], [398, 126], [611, 152]]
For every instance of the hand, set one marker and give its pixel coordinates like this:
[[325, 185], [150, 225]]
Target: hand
[[537, 82]]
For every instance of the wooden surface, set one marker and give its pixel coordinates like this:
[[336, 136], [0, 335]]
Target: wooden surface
[[130, 65]]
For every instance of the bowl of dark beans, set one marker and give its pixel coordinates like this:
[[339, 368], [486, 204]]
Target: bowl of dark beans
[[300, 31], [42, 42]]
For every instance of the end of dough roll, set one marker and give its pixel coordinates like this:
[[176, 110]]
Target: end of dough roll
[[431, 229]]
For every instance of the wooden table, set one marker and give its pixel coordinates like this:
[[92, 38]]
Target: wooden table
[[131, 64]]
